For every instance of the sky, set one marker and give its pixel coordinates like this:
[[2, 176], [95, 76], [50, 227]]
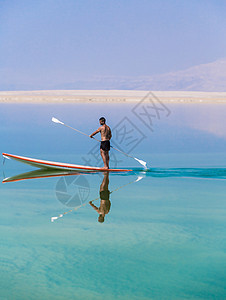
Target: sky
[[48, 42]]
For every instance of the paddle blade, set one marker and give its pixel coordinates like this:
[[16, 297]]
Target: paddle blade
[[139, 178], [143, 163], [57, 121], [55, 218]]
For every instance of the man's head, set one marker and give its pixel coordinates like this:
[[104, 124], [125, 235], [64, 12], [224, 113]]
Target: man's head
[[101, 218], [102, 120]]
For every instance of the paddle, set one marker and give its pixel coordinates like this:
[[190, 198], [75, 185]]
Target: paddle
[[143, 163]]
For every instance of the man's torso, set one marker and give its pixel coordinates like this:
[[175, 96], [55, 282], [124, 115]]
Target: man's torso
[[105, 133]]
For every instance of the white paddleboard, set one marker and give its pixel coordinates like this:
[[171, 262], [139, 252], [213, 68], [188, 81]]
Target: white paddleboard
[[45, 164]]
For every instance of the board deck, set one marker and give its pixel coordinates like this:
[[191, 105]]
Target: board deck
[[45, 164]]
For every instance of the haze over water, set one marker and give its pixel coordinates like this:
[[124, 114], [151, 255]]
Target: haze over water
[[163, 236]]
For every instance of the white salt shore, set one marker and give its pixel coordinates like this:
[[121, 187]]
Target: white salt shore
[[109, 96]]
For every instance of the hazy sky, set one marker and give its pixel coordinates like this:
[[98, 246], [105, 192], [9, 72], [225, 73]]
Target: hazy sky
[[55, 41]]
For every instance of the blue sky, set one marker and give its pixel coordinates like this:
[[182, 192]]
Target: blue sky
[[53, 41]]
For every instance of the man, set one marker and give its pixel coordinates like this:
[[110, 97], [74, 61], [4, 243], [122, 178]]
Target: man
[[105, 132]]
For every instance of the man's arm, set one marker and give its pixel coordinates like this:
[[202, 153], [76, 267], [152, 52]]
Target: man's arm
[[94, 206], [95, 132]]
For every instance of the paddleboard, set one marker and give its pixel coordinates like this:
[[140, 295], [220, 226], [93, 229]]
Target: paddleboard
[[45, 164]]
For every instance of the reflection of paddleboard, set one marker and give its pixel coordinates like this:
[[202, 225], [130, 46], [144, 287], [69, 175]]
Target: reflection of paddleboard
[[40, 173], [45, 164]]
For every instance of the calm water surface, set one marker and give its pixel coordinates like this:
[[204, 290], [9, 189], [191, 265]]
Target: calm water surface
[[163, 233]]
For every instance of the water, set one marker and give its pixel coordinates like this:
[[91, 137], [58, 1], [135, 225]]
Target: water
[[163, 235]]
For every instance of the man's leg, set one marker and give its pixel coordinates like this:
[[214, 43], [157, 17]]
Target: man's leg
[[104, 157], [107, 158]]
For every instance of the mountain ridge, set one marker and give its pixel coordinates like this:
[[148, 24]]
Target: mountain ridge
[[210, 77]]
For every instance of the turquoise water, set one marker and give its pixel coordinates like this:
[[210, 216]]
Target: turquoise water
[[163, 235]]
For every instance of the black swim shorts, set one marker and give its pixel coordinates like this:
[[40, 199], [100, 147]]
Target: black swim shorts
[[105, 195], [105, 145]]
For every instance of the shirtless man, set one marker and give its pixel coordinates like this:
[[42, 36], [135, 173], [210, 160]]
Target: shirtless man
[[105, 132]]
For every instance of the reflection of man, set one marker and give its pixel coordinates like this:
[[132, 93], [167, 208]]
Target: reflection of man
[[105, 203], [105, 132]]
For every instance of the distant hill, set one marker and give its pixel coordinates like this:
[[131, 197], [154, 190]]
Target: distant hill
[[209, 77]]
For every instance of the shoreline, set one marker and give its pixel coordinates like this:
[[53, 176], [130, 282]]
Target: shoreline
[[109, 96]]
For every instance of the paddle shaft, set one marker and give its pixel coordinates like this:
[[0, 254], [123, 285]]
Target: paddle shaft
[[98, 140], [81, 132]]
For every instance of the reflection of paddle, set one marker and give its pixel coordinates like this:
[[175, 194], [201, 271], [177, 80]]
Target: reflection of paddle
[[143, 163], [76, 208]]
